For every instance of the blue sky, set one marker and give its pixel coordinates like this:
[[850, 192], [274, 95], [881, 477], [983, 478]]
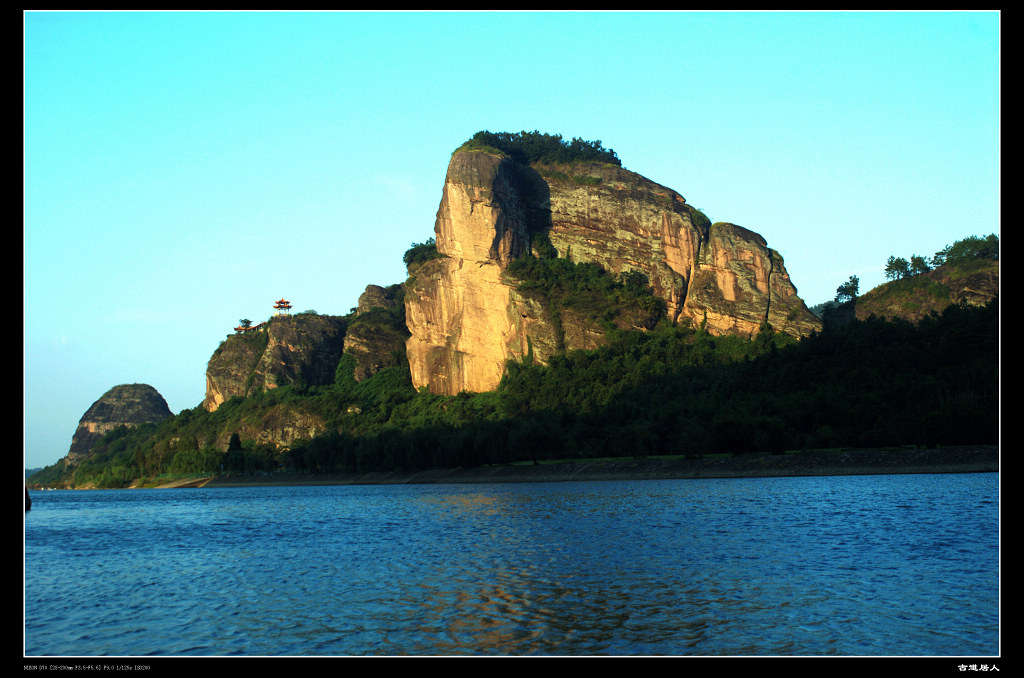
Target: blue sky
[[185, 170]]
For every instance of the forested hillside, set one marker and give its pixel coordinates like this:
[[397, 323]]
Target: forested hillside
[[673, 390]]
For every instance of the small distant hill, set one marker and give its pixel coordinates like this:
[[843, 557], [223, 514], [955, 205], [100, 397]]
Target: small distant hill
[[124, 405], [966, 272], [974, 282]]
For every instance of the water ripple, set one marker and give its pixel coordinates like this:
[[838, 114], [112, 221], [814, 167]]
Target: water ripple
[[902, 565]]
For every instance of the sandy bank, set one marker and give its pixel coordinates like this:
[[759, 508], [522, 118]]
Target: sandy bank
[[844, 462]]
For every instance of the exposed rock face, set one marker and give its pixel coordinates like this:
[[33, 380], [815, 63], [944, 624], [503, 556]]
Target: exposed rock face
[[125, 405], [289, 349], [720, 272], [975, 289], [375, 296], [739, 283], [467, 318], [280, 426], [376, 337], [459, 307]]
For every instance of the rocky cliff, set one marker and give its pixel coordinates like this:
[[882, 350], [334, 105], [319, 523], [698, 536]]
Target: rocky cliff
[[124, 405], [288, 349], [467, 316], [377, 334]]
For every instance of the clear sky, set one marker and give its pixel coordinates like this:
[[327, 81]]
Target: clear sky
[[183, 171]]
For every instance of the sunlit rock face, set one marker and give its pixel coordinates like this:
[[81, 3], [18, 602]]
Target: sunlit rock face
[[459, 308], [466, 317], [740, 283]]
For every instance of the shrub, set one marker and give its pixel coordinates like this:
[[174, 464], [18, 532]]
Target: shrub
[[419, 253]]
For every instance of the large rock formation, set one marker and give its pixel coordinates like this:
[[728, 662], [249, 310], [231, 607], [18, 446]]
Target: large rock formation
[[739, 283], [722, 273], [467, 317], [288, 349], [124, 405], [459, 309], [375, 296]]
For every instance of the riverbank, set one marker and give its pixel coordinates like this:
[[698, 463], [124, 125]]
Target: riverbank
[[839, 462]]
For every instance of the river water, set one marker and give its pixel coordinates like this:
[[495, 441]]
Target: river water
[[897, 565]]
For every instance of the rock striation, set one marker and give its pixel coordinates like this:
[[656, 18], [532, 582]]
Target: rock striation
[[124, 405], [467, 317]]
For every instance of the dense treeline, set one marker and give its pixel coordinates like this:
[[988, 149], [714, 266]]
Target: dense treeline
[[674, 390], [971, 248], [682, 391], [537, 147]]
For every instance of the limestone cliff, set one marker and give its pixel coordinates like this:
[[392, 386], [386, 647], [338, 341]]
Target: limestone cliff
[[459, 308], [720, 272], [124, 405], [375, 296], [467, 317], [286, 350]]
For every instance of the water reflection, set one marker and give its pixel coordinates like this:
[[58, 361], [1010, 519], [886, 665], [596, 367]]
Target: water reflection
[[876, 565]]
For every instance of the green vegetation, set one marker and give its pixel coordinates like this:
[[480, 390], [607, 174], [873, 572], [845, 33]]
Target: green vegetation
[[848, 290], [961, 252], [419, 253], [536, 147], [667, 391], [585, 287], [581, 179], [910, 290], [969, 248], [917, 289], [674, 390]]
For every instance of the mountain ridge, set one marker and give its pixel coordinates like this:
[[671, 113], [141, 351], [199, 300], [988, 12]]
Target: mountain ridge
[[537, 273]]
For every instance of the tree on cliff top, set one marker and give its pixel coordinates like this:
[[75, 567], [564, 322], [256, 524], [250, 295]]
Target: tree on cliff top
[[971, 247], [897, 268], [848, 290], [530, 147]]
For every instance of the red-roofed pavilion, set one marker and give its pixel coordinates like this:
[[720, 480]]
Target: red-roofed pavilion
[[282, 306]]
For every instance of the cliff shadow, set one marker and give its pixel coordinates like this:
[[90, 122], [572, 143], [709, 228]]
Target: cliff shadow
[[535, 199]]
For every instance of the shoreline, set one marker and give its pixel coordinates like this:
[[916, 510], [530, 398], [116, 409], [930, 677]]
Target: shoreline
[[967, 459]]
